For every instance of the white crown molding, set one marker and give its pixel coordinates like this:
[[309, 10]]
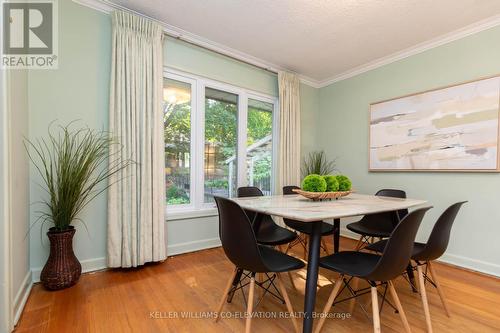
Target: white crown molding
[[416, 49], [107, 6]]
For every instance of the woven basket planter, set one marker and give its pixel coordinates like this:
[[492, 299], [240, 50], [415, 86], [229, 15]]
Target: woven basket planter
[[316, 196], [62, 269]]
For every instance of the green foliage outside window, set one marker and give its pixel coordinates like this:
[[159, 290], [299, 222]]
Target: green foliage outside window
[[221, 130]]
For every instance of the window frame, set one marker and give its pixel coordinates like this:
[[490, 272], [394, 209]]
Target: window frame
[[197, 176], [192, 83]]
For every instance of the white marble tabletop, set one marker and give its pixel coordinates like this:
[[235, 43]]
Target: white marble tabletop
[[299, 208]]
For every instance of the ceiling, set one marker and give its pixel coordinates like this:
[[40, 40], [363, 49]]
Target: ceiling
[[320, 39]]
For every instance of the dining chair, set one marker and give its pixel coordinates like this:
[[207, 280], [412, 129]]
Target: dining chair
[[378, 225], [424, 253], [240, 246], [376, 269], [268, 232], [305, 228]]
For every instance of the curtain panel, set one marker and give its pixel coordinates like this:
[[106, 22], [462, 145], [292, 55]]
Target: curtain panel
[[289, 138], [136, 204]]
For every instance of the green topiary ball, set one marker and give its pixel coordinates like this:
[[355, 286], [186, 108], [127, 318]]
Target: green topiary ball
[[344, 183], [314, 183], [332, 185]]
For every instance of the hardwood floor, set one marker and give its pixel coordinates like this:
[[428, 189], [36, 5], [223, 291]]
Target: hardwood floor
[[156, 297]]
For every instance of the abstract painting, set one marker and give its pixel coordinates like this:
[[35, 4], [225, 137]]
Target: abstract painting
[[450, 129]]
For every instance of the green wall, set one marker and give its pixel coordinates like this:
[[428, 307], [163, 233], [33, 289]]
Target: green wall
[[343, 133], [79, 90]]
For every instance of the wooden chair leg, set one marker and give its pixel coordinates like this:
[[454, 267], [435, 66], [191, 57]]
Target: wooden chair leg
[[359, 243], [292, 282], [323, 245], [375, 310], [288, 303], [306, 238], [352, 302], [248, 322], [423, 295], [329, 303], [439, 288], [226, 291], [260, 277], [399, 307]]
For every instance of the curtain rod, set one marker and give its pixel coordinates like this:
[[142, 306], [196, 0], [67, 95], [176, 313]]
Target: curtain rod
[[220, 53]]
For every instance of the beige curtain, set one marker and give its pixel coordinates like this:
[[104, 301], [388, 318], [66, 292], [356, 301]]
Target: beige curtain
[[289, 140], [136, 204]]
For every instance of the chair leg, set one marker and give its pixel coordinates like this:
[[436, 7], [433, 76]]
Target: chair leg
[[359, 243], [224, 296], [248, 322], [439, 288], [323, 245], [352, 302], [306, 238], [289, 274], [259, 277], [375, 310], [292, 282], [423, 295], [288, 303], [329, 303], [399, 307]]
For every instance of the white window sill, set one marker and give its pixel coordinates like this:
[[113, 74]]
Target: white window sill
[[180, 214]]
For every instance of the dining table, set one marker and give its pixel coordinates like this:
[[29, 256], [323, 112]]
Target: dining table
[[305, 210]]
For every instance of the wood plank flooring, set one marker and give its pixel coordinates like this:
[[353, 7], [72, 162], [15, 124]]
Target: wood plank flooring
[[158, 296]]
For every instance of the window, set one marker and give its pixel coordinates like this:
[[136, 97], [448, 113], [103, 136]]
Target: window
[[177, 133], [221, 133], [260, 144], [217, 137]]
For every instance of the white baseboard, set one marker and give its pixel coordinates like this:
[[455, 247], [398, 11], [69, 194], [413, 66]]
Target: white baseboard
[[472, 264], [22, 296], [88, 265], [193, 246], [452, 259], [96, 264]]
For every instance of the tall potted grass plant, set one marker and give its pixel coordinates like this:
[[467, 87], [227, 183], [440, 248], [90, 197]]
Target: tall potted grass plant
[[75, 166]]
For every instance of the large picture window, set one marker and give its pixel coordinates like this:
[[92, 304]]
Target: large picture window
[[218, 137]]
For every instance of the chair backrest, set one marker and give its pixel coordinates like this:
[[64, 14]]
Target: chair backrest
[[266, 221], [394, 194], [249, 191], [287, 190], [294, 224], [237, 236], [385, 221], [397, 252], [440, 235]]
